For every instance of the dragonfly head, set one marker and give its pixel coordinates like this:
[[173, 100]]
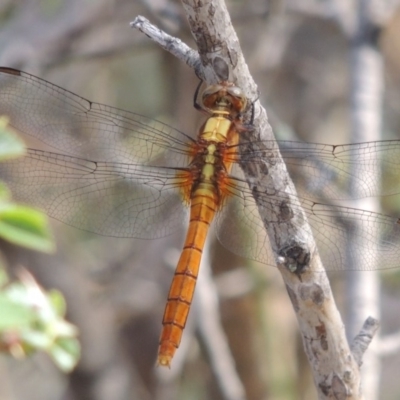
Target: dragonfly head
[[224, 97]]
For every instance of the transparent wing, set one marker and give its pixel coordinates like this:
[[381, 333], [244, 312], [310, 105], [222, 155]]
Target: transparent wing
[[240, 229], [239, 226], [76, 126], [118, 173], [113, 199], [317, 167]]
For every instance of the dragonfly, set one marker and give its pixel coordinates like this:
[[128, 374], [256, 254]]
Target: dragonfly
[[121, 174]]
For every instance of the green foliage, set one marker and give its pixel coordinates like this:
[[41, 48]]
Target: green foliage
[[20, 225], [31, 319], [10, 145], [25, 226]]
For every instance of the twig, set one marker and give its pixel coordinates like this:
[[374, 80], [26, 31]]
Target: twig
[[173, 45], [364, 338]]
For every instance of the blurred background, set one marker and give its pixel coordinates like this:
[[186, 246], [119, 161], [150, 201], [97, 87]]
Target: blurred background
[[116, 288]]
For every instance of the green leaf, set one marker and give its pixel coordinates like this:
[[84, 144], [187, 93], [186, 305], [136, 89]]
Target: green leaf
[[25, 226], [11, 145], [31, 320], [64, 329], [65, 353], [36, 339], [13, 315], [57, 302]]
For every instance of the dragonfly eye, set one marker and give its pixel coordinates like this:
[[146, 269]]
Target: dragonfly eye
[[239, 100], [211, 90], [235, 91]]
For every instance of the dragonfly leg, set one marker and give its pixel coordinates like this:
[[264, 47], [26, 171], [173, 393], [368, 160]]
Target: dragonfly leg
[[196, 104]]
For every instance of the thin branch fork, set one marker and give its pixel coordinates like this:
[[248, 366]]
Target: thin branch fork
[[363, 339], [335, 369]]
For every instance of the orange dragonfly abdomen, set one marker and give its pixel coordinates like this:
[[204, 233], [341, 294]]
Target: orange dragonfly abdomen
[[180, 296], [210, 167]]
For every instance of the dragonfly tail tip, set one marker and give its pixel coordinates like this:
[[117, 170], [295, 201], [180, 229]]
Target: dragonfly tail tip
[[164, 361]]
